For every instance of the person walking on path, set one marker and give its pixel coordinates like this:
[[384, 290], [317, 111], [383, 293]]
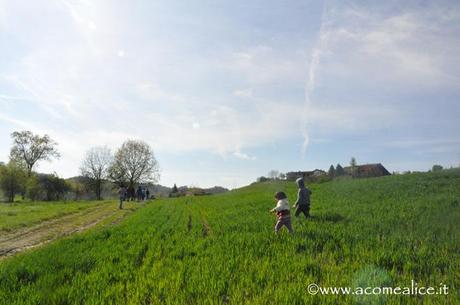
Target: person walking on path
[[302, 204], [282, 212], [122, 195], [131, 193], [139, 193]]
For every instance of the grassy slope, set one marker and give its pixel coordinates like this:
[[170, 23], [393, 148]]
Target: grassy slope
[[221, 249]]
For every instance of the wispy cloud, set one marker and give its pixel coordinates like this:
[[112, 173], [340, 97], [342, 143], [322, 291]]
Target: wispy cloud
[[365, 53], [424, 146], [262, 64], [243, 156], [16, 122], [410, 48], [243, 93]]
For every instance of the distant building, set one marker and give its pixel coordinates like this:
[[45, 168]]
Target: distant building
[[291, 176], [367, 170]]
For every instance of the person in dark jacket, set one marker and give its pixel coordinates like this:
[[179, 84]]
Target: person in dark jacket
[[139, 193], [302, 204], [143, 194], [131, 193]]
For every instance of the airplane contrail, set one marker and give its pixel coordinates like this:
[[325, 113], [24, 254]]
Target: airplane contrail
[[311, 79]]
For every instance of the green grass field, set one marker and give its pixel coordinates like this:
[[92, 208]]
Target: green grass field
[[221, 249], [25, 214]]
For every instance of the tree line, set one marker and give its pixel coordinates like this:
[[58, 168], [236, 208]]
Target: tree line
[[132, 163]]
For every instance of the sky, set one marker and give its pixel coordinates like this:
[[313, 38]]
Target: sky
[[225, 91]]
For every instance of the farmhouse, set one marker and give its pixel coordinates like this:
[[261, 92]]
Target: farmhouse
[[367, 170], [291, 176]]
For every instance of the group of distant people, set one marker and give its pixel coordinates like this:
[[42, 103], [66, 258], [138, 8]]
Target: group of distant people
[[282, 209], [130, 194]]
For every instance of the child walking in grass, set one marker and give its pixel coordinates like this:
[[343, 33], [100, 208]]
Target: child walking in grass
[[302, 203], [282, 212]]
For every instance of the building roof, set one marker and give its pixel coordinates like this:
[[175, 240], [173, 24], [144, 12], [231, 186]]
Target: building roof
[[369, 169]]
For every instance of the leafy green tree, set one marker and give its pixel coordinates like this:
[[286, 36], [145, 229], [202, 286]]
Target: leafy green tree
[[353, 166], [437, 168], [262, 179], [339, 171], [54, 188], [331, 171], [34, 190], [77, 188], [134, 162], [174, 191], [12, 180], [29, 148]]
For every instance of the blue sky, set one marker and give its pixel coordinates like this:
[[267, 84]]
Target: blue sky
[[225, 91]]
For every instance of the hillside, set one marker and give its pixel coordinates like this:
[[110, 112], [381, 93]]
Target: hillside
[[221, 249]]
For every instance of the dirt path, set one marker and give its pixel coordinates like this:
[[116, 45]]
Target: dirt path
[[47, 231]]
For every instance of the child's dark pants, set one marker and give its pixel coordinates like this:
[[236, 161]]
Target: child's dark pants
[[302, 209]]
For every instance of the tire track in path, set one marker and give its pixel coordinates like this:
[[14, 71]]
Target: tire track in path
[[23, 239]]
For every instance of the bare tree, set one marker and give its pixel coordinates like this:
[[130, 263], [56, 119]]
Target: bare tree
[[134, 162], [95, 167], [29, 148]]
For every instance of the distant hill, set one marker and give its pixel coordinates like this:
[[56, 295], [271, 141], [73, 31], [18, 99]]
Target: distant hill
[[186, 190], [157, 190]]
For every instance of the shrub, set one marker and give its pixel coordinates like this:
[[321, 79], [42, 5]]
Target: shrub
[[53, 187], [12, 179]]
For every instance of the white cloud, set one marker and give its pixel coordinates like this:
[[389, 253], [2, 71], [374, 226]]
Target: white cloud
[[412, 48], [428, 145], [243, 156], [362, 49], [263, 64], [16, 122], [247, 93], [92, 25]]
